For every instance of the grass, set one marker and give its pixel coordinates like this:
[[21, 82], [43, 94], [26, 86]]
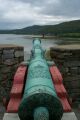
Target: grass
[[70, 35]]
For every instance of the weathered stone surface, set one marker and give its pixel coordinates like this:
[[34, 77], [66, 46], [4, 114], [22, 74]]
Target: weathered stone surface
[[20, 59], [67, 58], [5, 69], [8, 66], [72, 64], [19, 53], [1, 77], [11, 62], [0, 61], [7, 56], [8, 51], [69, 116], [74, 70], [14, 116], [0, 52], [11, 116]]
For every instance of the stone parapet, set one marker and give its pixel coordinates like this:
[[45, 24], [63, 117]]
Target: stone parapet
[[67, 58], [10, 58]]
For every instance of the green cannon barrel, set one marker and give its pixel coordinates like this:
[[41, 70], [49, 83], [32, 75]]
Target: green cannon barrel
[[39, 101]]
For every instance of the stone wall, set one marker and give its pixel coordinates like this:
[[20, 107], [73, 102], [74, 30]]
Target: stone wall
[[67, 58], [10, 57]]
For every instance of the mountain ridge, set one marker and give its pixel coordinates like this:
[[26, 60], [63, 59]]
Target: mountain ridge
[[62, 29]]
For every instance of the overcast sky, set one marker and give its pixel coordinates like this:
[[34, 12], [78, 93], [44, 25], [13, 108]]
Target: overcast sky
[[22, 13]]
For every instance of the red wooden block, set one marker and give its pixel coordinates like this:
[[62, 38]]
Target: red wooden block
[[21, 68], [57, 72], [13, 105], [63, 89], [65, 104], [60, 90], [16, 90], [56, 75], [19, 77]]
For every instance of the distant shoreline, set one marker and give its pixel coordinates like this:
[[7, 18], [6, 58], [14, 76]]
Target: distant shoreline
[[46, 36], [52, 37]]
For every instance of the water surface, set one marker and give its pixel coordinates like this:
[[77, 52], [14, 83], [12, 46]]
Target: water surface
[[26, 41]]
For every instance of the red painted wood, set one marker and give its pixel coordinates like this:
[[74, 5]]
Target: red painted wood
[[65, 104], [59, 87], [13, 105], [21, 68], [17, 90], [60, 90], [56, 75], [20, 75], [19, 80]]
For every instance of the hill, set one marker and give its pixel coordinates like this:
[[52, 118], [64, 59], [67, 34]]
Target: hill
[[65, 29]]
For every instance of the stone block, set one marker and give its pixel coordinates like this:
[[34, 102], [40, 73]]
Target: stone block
[[74, 70], [8, 66], [11, 116], [7, 56], [0, 51], [72, 63], [1, 77], [19, 53], [5, 69], [20, 59], [11, 62], [67, 58], [14, 116], [69, 116], [8, 51], [71, 78], [79, 70], [0, 61]]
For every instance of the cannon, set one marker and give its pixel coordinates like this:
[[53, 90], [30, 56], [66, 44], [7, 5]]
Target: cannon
[[39, 101]]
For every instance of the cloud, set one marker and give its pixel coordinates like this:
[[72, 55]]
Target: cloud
[[22, 13], [65, 8]]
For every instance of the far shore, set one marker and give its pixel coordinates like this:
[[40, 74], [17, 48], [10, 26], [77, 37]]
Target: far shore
[[50, 37]]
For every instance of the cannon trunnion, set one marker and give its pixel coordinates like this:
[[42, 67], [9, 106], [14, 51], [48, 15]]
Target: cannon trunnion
[[40, 101]]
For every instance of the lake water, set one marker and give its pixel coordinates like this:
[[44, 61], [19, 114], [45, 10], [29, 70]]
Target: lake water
[[26, 41]]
